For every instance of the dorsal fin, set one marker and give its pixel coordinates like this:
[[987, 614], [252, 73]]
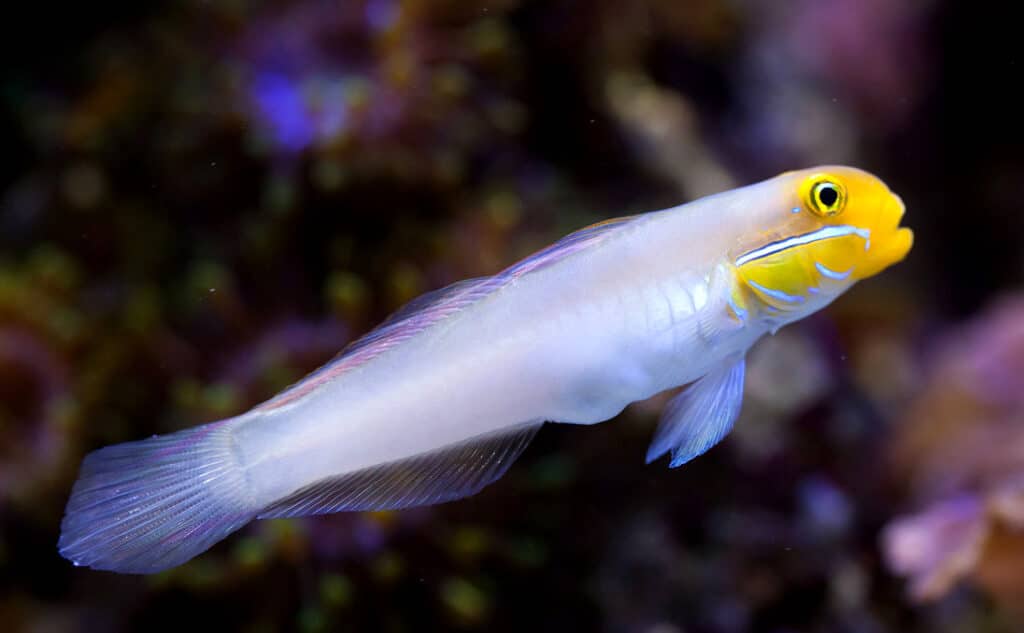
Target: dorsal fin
[[453, 472], [436, 306], [570, 244], [414, 317]]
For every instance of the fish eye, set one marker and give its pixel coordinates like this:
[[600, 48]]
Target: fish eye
[[827, 198]]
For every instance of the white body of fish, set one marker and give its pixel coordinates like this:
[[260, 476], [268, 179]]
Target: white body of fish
[[574, 342]]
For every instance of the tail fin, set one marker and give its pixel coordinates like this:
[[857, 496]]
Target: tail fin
[[145, 506]]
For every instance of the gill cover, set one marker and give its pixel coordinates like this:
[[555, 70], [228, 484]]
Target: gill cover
[[834, 226]]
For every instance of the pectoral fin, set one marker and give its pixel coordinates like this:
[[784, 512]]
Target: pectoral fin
[[700, 416]]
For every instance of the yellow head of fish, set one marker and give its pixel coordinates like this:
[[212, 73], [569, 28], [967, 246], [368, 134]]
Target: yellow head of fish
[[830, 227]]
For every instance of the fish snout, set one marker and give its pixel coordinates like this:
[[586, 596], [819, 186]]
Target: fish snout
[[890, 242]]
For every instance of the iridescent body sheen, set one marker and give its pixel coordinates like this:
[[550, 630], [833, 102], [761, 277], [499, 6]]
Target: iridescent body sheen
[[438, 401]]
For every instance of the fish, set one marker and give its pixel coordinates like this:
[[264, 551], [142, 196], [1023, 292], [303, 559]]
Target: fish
[[439, 400]]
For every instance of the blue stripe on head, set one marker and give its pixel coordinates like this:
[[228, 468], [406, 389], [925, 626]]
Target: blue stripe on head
[[776, 294], [831, 274], [740, 313]]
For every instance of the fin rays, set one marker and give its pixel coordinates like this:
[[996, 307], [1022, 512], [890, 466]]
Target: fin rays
[[700, 416], [443, 475], [144, 506]]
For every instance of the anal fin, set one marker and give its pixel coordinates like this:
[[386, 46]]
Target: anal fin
[[700, 416], [455, 471]]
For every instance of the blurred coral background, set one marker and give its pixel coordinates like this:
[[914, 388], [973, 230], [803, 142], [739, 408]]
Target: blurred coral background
[[200, 201]]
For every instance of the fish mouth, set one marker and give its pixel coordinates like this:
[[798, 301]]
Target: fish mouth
[[902, 237], [899, 211], [890, 243]]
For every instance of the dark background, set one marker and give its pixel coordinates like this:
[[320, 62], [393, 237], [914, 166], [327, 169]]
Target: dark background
[[202, 201]]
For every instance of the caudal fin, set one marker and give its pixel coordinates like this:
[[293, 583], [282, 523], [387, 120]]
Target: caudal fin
[[142, 507]]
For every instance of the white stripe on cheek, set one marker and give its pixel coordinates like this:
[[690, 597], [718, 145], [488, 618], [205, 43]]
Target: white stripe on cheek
[[824, 233]]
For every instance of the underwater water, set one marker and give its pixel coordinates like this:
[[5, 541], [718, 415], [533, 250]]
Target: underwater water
[[201, 202]]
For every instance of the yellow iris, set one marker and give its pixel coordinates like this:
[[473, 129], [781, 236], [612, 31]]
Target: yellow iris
[[824, 196]]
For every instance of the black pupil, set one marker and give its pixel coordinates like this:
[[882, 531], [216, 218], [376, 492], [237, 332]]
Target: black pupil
[[828, 195]]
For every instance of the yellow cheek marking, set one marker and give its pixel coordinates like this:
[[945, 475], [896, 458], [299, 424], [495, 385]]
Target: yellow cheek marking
[[778, 281], [784, 274]]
